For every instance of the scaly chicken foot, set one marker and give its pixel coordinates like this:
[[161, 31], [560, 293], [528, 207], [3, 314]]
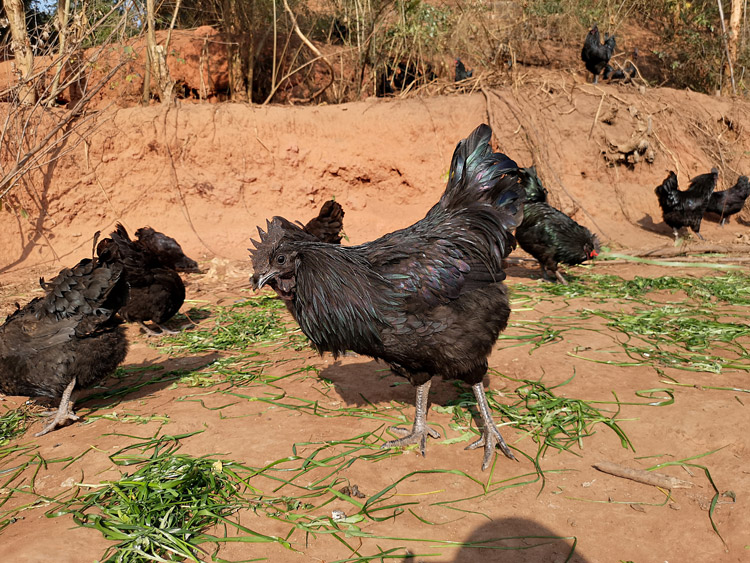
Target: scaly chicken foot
[[490, 434], [560, 277], [420, 430], [64, 411]]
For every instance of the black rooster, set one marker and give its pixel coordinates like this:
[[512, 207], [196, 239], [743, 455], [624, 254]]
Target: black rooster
[[69, 339], [329, 223], [168, 250], [731, 201], [461, 72], [552, 237], [686, 209], [595, 54], [625, 74], [427, 299], [156, 291]]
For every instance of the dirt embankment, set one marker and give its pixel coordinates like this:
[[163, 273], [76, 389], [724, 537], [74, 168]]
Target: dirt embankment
[[208, 174]]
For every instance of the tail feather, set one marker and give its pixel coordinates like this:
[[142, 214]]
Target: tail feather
[[327, 226], [478, 174]]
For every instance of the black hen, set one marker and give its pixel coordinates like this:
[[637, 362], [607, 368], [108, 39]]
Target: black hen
[[328, 225], [595, 54], [533, 187], [461, 72], [156, 291], [625, 74], [731, 201], [69, 339], [552, 237], [167, 249], [686, 209], [427, 299]]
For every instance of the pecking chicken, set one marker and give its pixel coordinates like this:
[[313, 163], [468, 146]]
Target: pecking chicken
[[428, 299], [156, 291], [685, 209], [69, 339], [552, 237], [731, 201], [596, 54]]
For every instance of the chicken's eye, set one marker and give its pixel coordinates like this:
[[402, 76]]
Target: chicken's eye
[[280, 259]]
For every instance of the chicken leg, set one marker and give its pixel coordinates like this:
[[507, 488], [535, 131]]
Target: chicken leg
[[64, 411], [420, 430], [490, 434]]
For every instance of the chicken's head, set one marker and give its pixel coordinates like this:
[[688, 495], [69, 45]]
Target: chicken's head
[[275, 257]]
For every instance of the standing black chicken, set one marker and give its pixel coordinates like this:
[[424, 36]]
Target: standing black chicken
[[167, 249], [156, 291], [69, 339], [686, 209], [329, 223], [595, 54], [427, 299], [731, 201]]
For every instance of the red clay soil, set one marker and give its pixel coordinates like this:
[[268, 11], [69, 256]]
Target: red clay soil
[[208, 174]]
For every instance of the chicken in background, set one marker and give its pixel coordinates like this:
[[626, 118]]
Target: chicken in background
[[552, 237], [168, 250], [69, 339], [625, 74], [596, 54], [549, 235], [328, 226], [156, 290], [428, 299], [461, 72], [686, 208], [729, 202]]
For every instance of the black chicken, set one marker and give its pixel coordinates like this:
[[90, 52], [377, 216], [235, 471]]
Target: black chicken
[[533, 187], [69, 339], [595, 54], [731, 201], [167, 249], [686, 209], [156, 291], [461, 72], [427, 299], [625, 74], [329, 223], [552, 237]]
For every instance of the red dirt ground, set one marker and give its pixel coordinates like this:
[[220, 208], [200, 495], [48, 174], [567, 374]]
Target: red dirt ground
[[208, 174]]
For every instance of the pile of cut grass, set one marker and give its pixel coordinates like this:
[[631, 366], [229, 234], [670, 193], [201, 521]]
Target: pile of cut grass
[[162, 510], [235, 327]]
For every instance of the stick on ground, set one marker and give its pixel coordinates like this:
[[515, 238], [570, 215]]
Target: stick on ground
[[641, 476]]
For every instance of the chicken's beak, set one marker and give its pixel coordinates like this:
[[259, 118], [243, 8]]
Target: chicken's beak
[[263, 280]]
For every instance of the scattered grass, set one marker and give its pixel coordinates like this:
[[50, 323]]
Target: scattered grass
[[551, 420], [12, 425], [732, 288], [161, 511], [236, 327]]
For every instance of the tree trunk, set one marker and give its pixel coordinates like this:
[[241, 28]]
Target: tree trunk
[[236, 75], [157, 61], [63, 16], [24, 58], [733, 38]]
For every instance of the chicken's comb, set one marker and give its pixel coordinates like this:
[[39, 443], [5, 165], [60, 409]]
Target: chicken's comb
[[277, 229]]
